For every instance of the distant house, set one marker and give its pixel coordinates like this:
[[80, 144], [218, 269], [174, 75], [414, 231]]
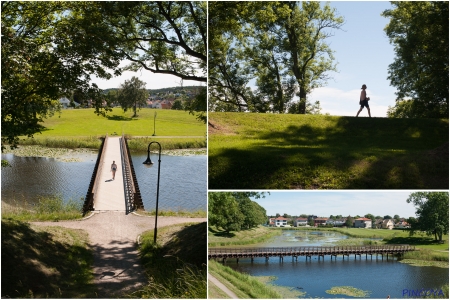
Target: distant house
[[387, 224], [363, 223], [402, 224], [65, 103], [300, 222], [278, 222], [340, 222], [378, 223], [320, 221]]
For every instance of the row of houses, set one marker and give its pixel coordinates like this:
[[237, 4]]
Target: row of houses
[[320, 221]]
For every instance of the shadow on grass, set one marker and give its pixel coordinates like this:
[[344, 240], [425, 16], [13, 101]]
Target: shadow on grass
[[221, 233], [346, 153], [119, 118], [35, 265]]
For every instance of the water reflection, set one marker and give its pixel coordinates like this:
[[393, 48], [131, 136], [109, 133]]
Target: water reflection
[[182, 186]]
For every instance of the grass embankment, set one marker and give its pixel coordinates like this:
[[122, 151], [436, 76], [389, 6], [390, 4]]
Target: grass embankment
[[176, 265], [218, 237], [45, 262], [326, 152], [81, 128], [246, 286], [51, 208]]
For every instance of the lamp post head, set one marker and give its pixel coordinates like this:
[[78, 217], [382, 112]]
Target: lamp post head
[[148, 162]]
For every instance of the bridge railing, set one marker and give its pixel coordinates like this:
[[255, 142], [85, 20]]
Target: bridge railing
[[133, 199], [307, 250], [93, 185]]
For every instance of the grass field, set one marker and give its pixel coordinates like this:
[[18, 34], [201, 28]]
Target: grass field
[[217, 237], [270, 151], [81, 128], [84, 122]]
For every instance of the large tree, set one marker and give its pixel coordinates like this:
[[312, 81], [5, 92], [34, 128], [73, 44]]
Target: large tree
[[47, 51], [224, 211], [432, 213], [279, 45], [132, 95], [167, 37], [419, 32]]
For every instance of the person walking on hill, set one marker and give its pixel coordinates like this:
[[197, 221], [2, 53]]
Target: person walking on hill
[[113, 169], [364, 100]]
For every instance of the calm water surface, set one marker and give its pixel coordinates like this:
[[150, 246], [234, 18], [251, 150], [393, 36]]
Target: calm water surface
[[380, 277], [182, 183]]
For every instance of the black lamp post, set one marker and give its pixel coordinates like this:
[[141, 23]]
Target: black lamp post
[[148, 162]]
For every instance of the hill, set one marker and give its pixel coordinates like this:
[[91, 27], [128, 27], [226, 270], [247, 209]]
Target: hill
[[271, 151]]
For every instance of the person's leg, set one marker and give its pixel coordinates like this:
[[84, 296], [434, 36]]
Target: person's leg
[[368, 109], [360, 110]]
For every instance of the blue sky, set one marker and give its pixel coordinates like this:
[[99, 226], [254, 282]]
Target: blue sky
[[326, 203], [363, 53]]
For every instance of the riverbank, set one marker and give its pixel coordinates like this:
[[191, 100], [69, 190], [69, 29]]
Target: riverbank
[[220, 238], [54, 208], [246, 286]]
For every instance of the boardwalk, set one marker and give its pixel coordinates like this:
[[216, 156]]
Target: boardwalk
[[110, 193], [224, 253]]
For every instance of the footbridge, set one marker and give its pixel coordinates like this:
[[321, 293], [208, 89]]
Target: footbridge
[[121, 193], [308, 252]]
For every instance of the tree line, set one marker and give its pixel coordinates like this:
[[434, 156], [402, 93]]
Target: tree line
[[234, 211]]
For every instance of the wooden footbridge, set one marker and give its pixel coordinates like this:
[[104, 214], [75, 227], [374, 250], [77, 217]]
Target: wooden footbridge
[[307, 252], [120, 194]]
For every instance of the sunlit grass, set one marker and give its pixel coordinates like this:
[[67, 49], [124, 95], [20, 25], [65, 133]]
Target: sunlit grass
[[48, 208], [243, 285], [325, 152]]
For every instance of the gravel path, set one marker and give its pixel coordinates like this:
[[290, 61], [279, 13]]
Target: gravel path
[[113, 237], [221, 286]]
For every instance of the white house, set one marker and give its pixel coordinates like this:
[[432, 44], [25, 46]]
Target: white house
[[387, 224], [300, 222], [65, 103], [278, 222], [363, 223]]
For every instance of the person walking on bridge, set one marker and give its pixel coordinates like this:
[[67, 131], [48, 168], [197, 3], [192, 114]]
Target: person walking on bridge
[[114, 169], [364, 100]]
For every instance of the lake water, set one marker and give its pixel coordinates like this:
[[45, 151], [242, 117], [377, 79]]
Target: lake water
[[182, 181], [380, 277]]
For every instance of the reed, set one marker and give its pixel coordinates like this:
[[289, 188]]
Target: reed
[[49, 208]]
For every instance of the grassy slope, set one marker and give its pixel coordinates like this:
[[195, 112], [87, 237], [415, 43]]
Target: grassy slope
[[325, 152], [217, 238], [84, 122], [176, 266], [45, 262]]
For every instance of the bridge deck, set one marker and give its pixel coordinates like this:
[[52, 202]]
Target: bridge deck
[[306, 251], [110, 193]]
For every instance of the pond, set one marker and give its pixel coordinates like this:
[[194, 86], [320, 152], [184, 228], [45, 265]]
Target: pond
[[381, 277], [182, 183]]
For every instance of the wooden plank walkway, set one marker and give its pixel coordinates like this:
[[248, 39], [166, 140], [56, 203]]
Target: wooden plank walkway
[[110, 193], [225, 253]]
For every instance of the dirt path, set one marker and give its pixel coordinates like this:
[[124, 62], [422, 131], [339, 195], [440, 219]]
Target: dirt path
[[113, 237], [221, 286]]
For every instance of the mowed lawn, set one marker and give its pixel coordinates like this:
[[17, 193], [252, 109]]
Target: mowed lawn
[[84, 122], [272, 151]]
